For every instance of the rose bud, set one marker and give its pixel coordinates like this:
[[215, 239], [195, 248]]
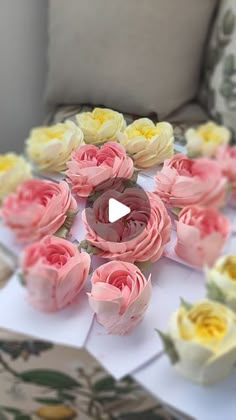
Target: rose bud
[[120, 296], [201, 235], [54, 271]]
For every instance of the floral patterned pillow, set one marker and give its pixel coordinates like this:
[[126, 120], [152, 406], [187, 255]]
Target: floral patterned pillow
[[219, 85]]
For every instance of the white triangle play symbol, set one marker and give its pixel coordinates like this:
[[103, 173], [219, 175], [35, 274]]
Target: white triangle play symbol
[[116, 210]]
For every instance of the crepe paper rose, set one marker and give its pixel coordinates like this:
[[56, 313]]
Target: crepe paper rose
[[226, 156], [201, 235], [206, 139], [49, 148], [120, 296], [14, 169], [221, 281], [90, 166], [54, 271], [100, 125], [201, 341], [148, 143], [138, 237], [184, 182], [39, 208]]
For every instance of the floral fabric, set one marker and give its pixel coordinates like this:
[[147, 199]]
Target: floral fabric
[[218, 92]]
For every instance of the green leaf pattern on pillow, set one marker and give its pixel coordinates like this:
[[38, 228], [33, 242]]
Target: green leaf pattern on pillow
[[218, 92]]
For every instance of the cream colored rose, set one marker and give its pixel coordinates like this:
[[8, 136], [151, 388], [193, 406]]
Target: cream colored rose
[[206, 139], [147, 143], [14, 169], [203, 339], [50, 148], [221, 281], [100, 125]]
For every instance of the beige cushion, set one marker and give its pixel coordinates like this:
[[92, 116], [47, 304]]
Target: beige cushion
[[134, 56]]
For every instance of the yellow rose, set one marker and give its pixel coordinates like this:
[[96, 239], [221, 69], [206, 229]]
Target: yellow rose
[[206, 139], [147, 143], [14, 169], [204, 339], [221, 281], [100, 125], [56, 412], [50, 148]]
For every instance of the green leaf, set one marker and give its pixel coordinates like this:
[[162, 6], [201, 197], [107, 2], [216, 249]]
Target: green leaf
[[215, 293], [49, 378], [169, 347], [11, 410], [228, 22], [65, 396], [70, 217], [176, 211], [144, 266], [22, 417], [49, 401], [105, 384], [62, 232], [186, 305], [21, 278]]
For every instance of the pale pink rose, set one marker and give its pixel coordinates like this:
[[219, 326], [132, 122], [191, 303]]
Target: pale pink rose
[[226, 156], [120, 296], [201, 235], [184, 182], [90, 166], [140, 236], [38, 208], [54, 271]]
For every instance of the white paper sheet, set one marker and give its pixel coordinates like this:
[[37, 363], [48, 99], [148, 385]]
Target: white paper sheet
[[202, 403], [122, 355], [69, 326]]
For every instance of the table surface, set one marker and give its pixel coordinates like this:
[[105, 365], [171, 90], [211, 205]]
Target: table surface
[[122, 355]]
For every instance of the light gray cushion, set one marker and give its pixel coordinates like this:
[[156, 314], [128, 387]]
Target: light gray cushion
[[131, 55]]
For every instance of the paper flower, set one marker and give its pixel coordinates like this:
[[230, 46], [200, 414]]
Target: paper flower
[[206, 139], [100, 125], [90, 166], [140, 236], [13, 171], [201, 235], [148, 143], [49, 148], [202, 341], [183, 182], [54, 272], [221, 281], [226, 157], [120, 296], [38, 208]]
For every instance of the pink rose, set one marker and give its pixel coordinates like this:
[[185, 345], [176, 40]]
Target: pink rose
[[201, 235], [120, 296], [140, 236], [54, 271], [184, 182], [226, 156], [90, 166], [37, 209]]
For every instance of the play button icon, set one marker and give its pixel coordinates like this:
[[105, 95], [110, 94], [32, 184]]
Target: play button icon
[[116, 210]]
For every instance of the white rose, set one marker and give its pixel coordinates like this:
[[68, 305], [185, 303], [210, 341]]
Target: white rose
[[149, 144], [14, 169], [202, 339], [50, 148], [221, 281], [206, 139], [100, 125]]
